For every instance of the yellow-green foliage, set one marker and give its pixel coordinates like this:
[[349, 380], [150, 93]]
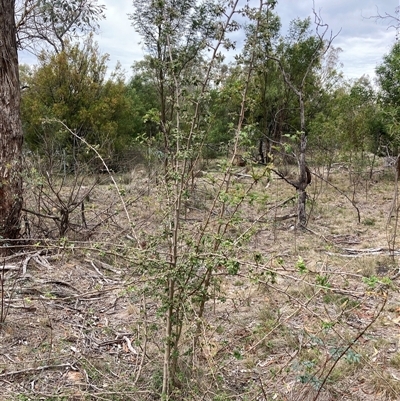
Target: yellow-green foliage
[[72, 87]]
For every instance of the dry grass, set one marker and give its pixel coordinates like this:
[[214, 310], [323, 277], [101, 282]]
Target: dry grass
[[80, 326]]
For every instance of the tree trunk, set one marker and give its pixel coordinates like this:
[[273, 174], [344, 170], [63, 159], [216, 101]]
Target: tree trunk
[[10, 127], [304, 179]]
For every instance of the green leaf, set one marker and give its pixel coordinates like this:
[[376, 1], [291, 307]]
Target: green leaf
[[300, 265]]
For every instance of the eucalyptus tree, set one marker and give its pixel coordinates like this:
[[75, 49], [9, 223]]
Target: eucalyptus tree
[[299, 58], [269, 95], [348, 123], [28, 24], [388, 76], [361, 112], [10, 127], [175, 34], [224, 104], [52, 23], [144, 95]]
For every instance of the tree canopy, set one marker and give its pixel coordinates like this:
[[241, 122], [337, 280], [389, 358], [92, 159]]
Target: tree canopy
[[71, 86], [51, 24]]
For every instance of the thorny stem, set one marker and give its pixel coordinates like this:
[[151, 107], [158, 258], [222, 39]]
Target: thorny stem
[[173, 334], [225, 183]]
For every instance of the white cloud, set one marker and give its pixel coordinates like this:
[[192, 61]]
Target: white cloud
[[118, 37], [363, 40], [361, 56]]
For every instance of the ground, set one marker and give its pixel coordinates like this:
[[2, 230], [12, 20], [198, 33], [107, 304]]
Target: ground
[[304, 315]]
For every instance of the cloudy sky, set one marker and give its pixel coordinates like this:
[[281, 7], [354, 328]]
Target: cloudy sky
[[363, 40]]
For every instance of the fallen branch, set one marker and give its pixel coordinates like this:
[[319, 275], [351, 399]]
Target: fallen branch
[[103, 265], [286, 217], [129, 345], [39, 369], [356, 253]]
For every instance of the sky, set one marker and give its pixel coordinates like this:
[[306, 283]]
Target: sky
[[363, 40]]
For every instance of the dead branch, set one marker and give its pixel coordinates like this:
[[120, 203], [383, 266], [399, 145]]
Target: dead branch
[[394, 20], [39, 369], [342, 193], [83, 140], [356, 253], [280, 175], [129, 345]]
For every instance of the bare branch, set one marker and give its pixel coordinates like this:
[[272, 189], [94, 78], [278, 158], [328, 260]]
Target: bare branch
[[393, 20], [40, 24]]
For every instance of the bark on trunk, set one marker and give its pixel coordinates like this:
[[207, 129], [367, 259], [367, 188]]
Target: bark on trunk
[[303, 181], [10, 127]]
